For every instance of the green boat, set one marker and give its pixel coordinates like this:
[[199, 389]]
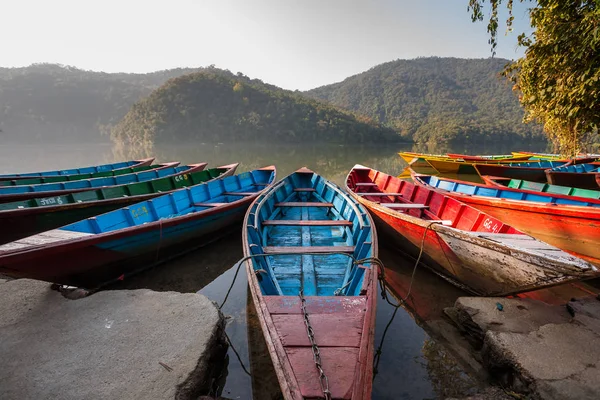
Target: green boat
[[541, 187], [77, 177], [29, 217]]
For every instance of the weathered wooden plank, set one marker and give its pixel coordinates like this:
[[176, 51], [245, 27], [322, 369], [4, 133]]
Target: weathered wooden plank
[[404, 206], [209, 204], [291, 222], [339, 364], [305, 190], [331, 330], [316, 304], [379, 194], [303, 204], [307, 249], [239, 193]]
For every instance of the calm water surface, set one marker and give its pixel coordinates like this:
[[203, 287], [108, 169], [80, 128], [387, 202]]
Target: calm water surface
[[413, 365]]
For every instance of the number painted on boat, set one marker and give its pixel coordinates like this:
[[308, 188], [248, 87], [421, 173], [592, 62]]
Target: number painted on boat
[[181, 178], [138, 212], [491, 225], [50, 201]]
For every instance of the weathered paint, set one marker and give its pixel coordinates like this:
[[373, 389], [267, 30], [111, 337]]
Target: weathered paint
[[343, 325], [133, 238], [456, 236], [41, 214]]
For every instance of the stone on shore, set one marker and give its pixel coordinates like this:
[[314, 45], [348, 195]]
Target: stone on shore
[[135, 344], [540, 350]]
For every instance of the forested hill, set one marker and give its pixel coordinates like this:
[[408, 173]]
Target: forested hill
[[217, 106], [50, 102], [436, 99]]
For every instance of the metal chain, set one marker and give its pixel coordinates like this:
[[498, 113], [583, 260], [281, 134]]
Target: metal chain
[[315, 349]]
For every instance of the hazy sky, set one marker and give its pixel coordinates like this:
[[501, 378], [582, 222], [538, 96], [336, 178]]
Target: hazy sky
[[297, 44]]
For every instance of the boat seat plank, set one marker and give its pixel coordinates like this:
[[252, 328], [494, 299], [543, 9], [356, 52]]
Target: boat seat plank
[[292, 222], [305, 190], [339, 364], [209, 204], [398, 206], [239, 193], [334, 330], [316, 304], [365, 184], [379, 194], [303, 204], [307, 249]]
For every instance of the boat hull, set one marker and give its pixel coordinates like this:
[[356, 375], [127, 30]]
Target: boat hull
[[570, 228], [29, 221], [528, 174], [573, 179], [93, 263]]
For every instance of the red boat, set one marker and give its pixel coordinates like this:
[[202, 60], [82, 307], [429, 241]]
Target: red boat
[[465, 245], [573, 228]]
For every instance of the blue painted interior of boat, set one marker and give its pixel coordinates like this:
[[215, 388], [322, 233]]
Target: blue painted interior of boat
[[579, 168], [539, 164], [324, 274], [176, 204], [74, 171], [490, 191], [96, 182]]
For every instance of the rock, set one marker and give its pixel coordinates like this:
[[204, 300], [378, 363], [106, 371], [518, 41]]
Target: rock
[[491, 393], [114, 344], [541, 350]]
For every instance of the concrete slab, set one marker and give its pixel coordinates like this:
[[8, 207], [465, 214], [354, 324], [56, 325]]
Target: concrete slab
[[543, 351], [112, 345]]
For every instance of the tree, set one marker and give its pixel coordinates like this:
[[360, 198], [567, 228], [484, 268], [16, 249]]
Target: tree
[[559, 76]]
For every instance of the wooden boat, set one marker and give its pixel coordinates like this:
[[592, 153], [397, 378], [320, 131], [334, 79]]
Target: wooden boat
[[98, 250], [28, 217], [411, 157], [82, 170], [530, 171], [580, 175], [463, 244], [540, 187], [471, 167], [502, 157], [298, 237], [567, 222], [589, 157], [24, 192], [77, 177]]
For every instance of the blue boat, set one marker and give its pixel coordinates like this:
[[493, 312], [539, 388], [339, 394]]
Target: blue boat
[[101, 249], [82, 170], [22, 192], [584, 176], [308, 248], [475, 189], [532, 171]]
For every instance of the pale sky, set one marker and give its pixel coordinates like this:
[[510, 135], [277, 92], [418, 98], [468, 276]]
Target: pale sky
[[297, 44]]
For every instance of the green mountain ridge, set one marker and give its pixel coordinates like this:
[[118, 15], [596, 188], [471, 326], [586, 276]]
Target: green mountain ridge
[[436, 100], [55, 102], [218, 106]]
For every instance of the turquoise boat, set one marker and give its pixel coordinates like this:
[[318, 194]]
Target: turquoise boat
[[15, 193], [308, 248], [82, 170], [541, 187], [97, 250], [28, 217]]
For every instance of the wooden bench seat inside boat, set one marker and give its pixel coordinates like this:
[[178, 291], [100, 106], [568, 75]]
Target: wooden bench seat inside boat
[[401, 206], [308, 249], [296, 222], [303, 204]]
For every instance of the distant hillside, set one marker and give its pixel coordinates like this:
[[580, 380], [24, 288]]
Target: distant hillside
[[54, 102], [436, 100], [217, 106]]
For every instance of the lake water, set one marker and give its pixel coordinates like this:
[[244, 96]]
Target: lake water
[[414, 362]]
